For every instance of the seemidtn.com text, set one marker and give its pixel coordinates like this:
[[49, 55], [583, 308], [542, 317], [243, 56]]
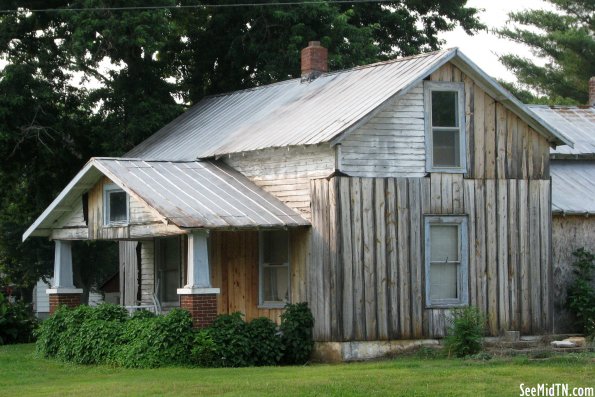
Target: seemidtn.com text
[[555, 390]]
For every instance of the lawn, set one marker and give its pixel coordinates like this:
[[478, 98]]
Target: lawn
[[22, 374]]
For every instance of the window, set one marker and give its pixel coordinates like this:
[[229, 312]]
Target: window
[[446, 261], [168, 252], [274, 268], [115, 207], [445, 127]]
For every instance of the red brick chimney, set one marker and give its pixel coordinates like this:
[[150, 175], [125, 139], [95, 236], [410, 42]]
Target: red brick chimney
[[591, 90], [314, 61]]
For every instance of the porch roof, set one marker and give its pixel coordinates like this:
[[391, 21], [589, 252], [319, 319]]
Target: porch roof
[[188, 194]]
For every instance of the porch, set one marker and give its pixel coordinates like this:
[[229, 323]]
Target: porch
[[195, 235]]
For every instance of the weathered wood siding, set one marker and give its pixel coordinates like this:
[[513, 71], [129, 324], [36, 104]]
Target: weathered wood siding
[[366, 278], [499, 144], [234, 268], [391, 144], [569, 233], [143, 221], [129, 267], [286, 172], [147, 271]]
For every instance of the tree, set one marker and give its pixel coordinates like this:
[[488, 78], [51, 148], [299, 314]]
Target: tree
[[565, 38], [158, 61]]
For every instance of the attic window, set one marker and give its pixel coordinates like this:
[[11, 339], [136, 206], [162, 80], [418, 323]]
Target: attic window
[[445, 127], [115, 205]]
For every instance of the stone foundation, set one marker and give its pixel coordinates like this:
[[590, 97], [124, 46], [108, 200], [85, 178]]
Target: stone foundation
[[68, 300], [202, 308]]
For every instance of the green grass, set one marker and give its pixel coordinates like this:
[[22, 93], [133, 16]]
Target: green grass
[[22, 374]]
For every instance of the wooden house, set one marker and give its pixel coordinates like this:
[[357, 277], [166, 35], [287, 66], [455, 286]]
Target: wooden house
[[573, 196], [384, 196]]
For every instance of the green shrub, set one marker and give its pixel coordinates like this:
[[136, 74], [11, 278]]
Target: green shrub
[[296, 333], [204, 350], [465, 334], [232, 340], [150, 342], [267, 348], [17, 322], [50, 333], [581, 293]]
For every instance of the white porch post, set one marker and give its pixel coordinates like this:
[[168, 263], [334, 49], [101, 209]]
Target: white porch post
[[198, 278], [198, 296], [63, 291]]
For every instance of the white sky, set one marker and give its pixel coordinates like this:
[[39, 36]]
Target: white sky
[[484, 48]]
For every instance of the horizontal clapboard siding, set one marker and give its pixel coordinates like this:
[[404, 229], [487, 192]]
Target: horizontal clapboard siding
[[391, 144], [368, 255], [286, 172]]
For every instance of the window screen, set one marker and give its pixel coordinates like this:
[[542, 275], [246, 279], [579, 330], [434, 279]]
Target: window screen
[[446, 260], [274, 267]]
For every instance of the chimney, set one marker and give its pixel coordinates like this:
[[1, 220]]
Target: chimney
[[591, 90], [314, 61]]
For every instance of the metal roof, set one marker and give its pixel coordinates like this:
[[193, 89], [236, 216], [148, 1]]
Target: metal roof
[[188, 194], [577, 123], [307, 113], [573, 187]]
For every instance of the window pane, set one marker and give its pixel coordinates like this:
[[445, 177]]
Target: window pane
[[444, 109], [117, 207], [443, 281], [446, 148], [276, 284], [444, 241], [274, 247], [169, 262]]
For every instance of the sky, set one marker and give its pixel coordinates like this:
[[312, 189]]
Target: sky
[[484, 48]]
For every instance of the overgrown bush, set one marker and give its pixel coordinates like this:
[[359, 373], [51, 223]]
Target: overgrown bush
[[267, 348], [17, 322], [296, 333], [581, 293], [465, 334], [83, 335], [204, 352], [230, 335], [149, 342], [106, 334]]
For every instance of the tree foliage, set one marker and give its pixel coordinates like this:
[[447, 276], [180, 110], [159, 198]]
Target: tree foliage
[[565, 39], [97, 81]]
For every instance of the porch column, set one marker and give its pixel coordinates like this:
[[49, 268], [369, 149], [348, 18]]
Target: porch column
[[198, 296], [63, 291]]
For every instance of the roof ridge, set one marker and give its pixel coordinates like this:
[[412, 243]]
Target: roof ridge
[[335, 72]]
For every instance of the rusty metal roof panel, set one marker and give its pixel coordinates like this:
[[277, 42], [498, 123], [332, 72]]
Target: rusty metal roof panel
[[576, 122], [287, 113], [573, 186], [200, 194]]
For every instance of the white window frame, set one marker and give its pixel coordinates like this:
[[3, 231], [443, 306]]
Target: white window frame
[[111, 188], [429, 87], [262, 304], [463, 269]]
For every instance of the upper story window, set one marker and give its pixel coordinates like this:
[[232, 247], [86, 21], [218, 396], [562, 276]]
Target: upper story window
[[115, 205], [446, 261], [445, 127], [274, 268]]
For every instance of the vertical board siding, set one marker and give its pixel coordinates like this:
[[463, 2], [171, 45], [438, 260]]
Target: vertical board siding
[[374, 283], [147, 264], [568, 234], [234, 259]]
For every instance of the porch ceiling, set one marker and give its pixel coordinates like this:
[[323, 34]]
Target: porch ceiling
[[188, 194]]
